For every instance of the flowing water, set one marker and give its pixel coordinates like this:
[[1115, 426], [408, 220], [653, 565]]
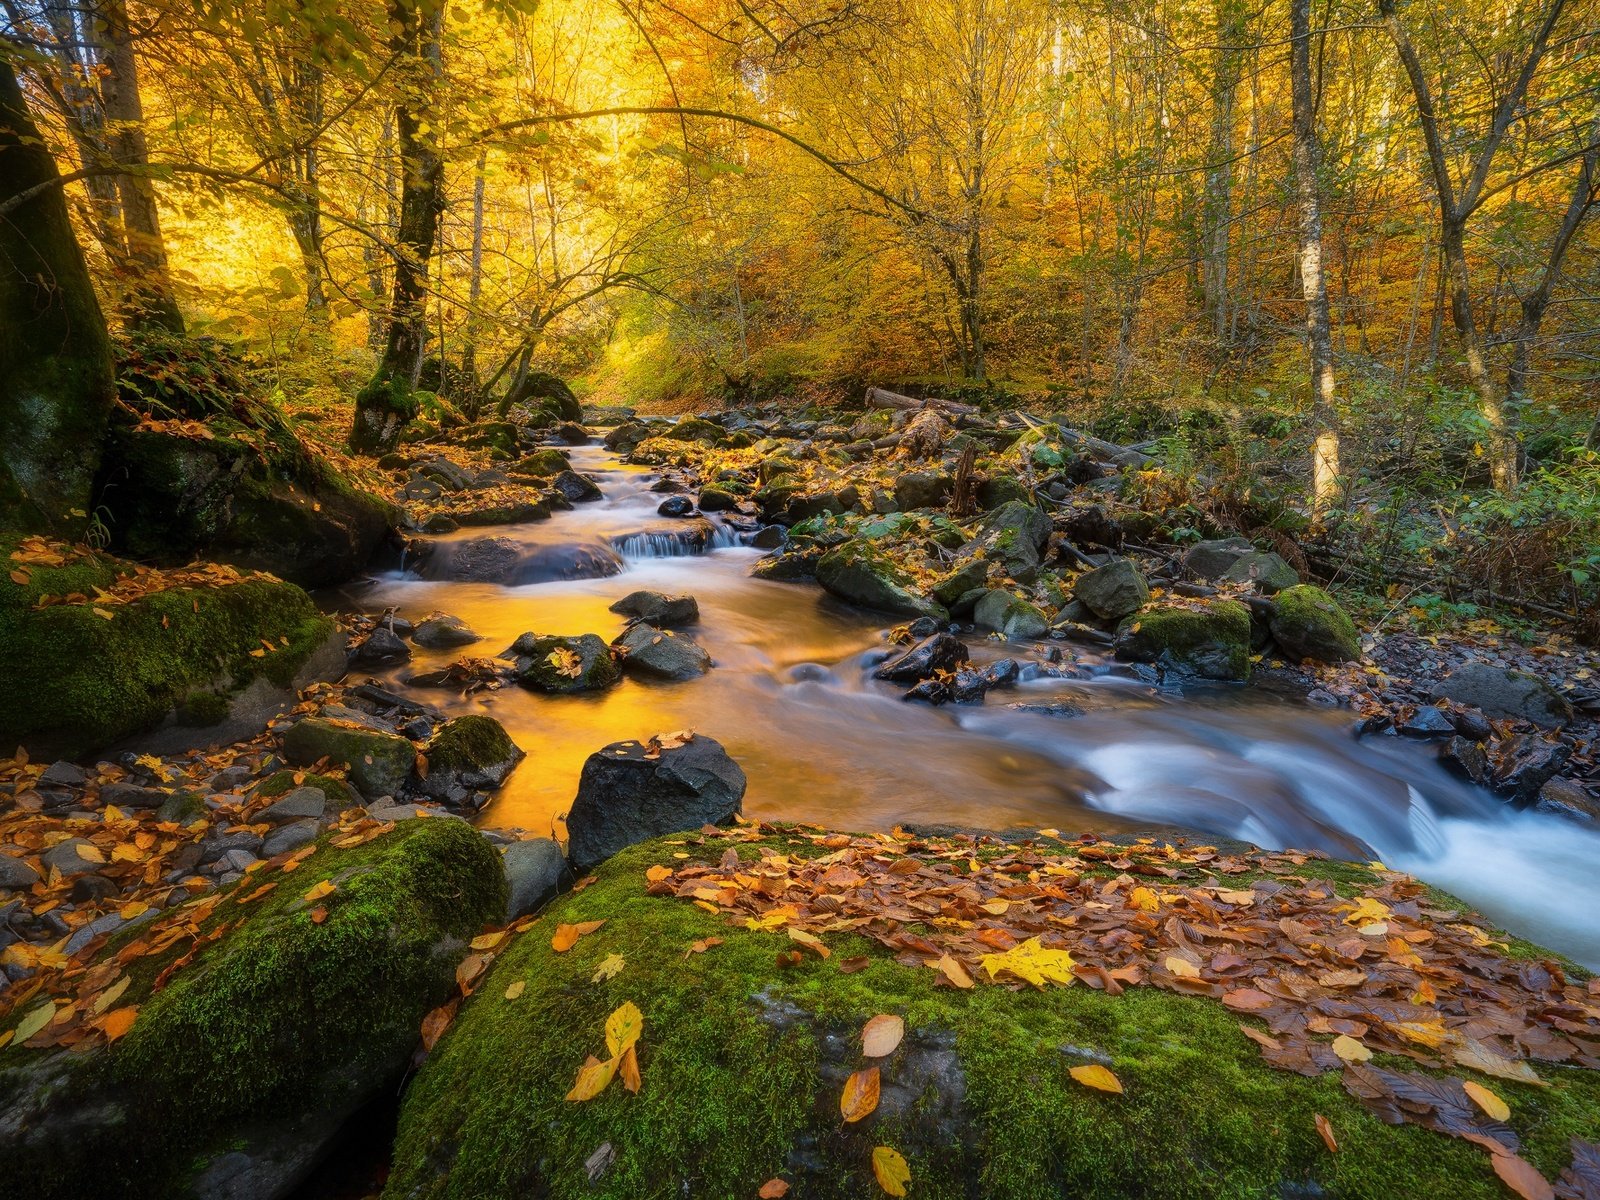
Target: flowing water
[[792, 699]]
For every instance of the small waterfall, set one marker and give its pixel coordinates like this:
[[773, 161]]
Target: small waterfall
[[692, 537]]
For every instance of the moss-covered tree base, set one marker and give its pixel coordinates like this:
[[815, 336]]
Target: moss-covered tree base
[[743, 1061], [83, 675], [290, 1012]]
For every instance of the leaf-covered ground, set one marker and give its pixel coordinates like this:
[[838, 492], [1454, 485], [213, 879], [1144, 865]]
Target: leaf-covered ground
[[1254, 1031]]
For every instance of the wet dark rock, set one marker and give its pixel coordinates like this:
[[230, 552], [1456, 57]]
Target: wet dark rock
[[1563, 797], [467, 756], [629, 792], [1055, 708], [571, 433], [382, 648], [15, 874], [676, 506], [303, 803], [564, 664], [768, 538], [817, 504], [441, 631], [968, 686], [1428, 721], [126, 794], [1213, 559], [1525, 765], [940, 652], [922, 489], [1500, 692], [1213, 643], [658, 609], [534, 870], [575, 488], [791, 566], [1113, 591], [660, 654], [482, 560], [717, 500], [440, 523]]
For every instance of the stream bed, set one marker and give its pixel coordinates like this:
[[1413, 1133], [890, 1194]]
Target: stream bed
[[792, 699]]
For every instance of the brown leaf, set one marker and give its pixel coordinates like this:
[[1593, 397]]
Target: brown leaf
[[881, 1035], [1325, 1131], [774, 1189], [437, 1021], [860, 1095], [1522, 1177], [566, 936]]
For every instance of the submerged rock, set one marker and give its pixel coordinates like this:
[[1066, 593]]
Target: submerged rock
[[631, 791], [441, 631], [658, 609], [563, 664], [938, 652], [660, 653], [240, 1072]]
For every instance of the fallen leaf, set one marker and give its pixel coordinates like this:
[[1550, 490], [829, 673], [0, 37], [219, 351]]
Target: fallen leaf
[[629, 1069], [488, 941], [1350, 1050], [1325, 1130], [566, 936], [774, 1189], [118, 1021], [881, 1035], [1095, 1076], [35, 1021], [592, 1079], [609, 966], [860, 1095], [657, 874], [890, 1169], [325, 888], [436, 1022], [1522, 1177], [623, 1027], [809, 941], [1490, 1103], [952, 970], [515, 990]]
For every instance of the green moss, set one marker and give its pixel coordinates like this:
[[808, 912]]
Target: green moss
[[728, 1096], [78, 681], [281, 783], [469, 743], [1213, 642], [1308, 623], [280, 1016]]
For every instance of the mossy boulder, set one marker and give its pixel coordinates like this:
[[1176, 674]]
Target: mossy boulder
[[78, 681], [543, 464], [468, 757], [795, 565], [1015, 535], [1010, 616], [863, 575], [696, 429], [245, 1064], [1306, 623], [922, 489], [1113, 591], [743, 1062], [1212, 642], [1267, 571], [379, 763], [562, 665], [1001, 489], [549, 390]]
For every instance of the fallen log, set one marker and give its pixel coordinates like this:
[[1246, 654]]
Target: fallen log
[[879, 398]]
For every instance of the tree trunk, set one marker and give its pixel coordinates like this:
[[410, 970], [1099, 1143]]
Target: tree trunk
[[1218, 202], [150, 302], [1313, 279], [58, 385], [469, 352], [385, 405]]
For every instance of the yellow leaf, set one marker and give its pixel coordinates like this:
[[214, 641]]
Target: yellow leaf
[[488, 941], [100, 612], [623, 1027], [468, 971], [629, 1067], [1491, 1104], [1031, 962], [891, 1171], [35, 1021], [325, 888], [89, 853], [566, 936], [996, 908], [860, 1095], [881, 1035], [1095, 1076], [515, 991], [109, 997], [1350, 1050], [592, 1079], [609, 966], [1144, 900], [1181, 966], [809, 941], [952, 970]]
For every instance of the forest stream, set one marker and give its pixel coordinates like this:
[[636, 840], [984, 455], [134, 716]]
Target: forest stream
[[793, 699]]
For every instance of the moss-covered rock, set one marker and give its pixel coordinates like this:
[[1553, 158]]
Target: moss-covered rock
[[286, 1017], [1010, 616], [742, 1064], [564, 664], [697, 429], [1306, 622], [1212, 642], [863, 575], [469, 756], [378, 763], [1014, 535], [78, 681]]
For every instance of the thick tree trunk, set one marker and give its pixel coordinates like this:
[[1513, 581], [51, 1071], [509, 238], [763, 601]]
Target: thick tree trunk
[[1313, 279], [150, 302], [385, 405], [1217, 212], [58, 383]]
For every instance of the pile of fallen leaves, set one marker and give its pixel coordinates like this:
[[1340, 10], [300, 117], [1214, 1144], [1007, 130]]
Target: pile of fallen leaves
[[132, 582], [1334, 979]]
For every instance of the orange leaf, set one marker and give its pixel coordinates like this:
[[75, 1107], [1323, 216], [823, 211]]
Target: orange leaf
[[1491, 1104], [118, 1021], [657, 874], [774, 1189], [630, 1069], [952, 970], [1522, 1178], [810, 941], [860, 1095], [468, 971], [1326, 1131], [436, 1022], [566, 936]]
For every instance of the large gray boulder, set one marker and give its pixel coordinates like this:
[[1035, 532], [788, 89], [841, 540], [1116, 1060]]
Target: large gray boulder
[[660, 653], [1501, 692], [1015, 534], [1269, 572], [534, 871], [860, 574], [632, 791], [1213, 559], [660, 610], [1113, 591], [1010, 616]]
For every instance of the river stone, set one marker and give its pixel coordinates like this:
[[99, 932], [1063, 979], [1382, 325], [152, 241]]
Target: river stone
[[15, 874], [441, 631], [860, 574], [676, 506], [534, 871], [483, 560], [64, 857], [1016, 534], [1113, 591], [629, 793], [290, 837], [1306, 622], [922, 489], [1212, 560], [1010, 616], [382, 647], [969, 576], [998, 490], [791, 566], [1269, 572], [660, 653], [1213, 642], [126, 794], [301, 804], [378, 763], [938, 652], [575, 487], [1501, 692], [659, 609], [717, 500], [543, 663], [469, 754]]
